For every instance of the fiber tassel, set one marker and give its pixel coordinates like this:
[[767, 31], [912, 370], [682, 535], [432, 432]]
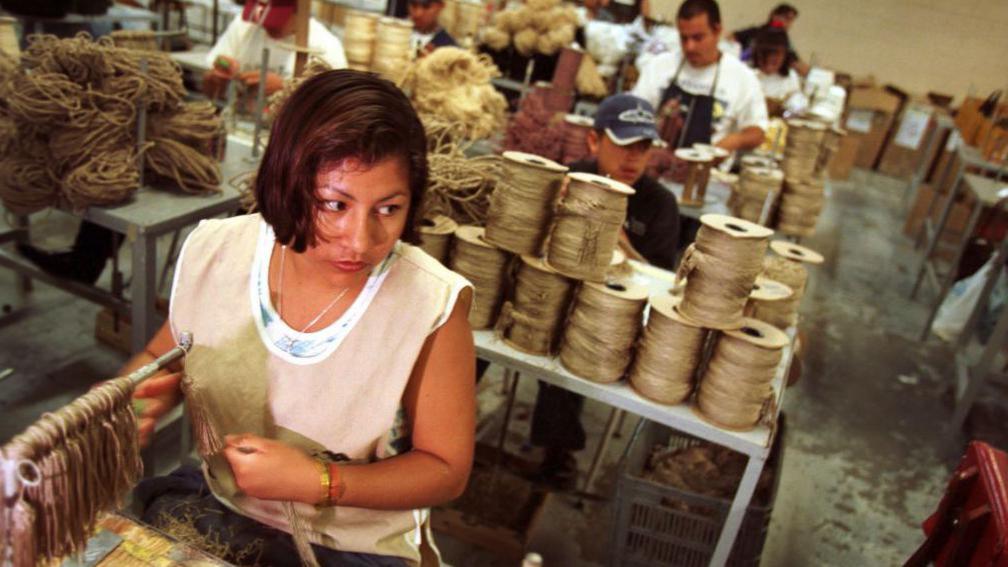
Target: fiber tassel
[[300, 534], [207, 438], [22, 539]]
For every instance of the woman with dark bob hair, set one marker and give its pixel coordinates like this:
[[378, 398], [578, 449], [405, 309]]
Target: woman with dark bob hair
[[331, 379]]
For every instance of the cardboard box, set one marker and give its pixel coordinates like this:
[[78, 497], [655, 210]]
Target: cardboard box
[[871, 112], [912, 139], [843, 160], [956, 224]]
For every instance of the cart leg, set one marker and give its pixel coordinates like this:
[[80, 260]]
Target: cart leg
[[949, 278], [143, 290], [510, 376], [615, 416], [733, 523]]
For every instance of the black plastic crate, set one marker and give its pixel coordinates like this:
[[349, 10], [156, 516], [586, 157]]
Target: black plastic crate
[[655, 524]]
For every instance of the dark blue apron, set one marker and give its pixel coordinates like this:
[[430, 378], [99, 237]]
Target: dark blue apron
[[697, 111]]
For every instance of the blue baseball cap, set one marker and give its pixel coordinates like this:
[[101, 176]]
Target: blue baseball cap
[[626, 119]]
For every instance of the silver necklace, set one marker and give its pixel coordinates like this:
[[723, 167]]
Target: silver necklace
[[283, 256]]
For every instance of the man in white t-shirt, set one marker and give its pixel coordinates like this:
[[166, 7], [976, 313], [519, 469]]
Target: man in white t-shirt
[[707, 96], [269, 24]]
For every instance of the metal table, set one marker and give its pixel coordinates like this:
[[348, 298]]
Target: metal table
[[715, 201], [755, 444], [151, 213], [984, 192]]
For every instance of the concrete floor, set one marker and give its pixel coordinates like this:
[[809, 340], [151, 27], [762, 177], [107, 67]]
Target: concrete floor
[[866, 455]]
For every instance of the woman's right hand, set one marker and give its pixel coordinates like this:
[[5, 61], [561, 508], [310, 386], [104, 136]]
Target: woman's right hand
[[153, 399]]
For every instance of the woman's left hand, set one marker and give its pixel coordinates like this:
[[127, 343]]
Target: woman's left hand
[[271, 470]]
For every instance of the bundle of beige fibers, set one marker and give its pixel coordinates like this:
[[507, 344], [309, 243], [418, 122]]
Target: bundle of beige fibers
[[586, 226], [458, 186], [668, 353], [192, 171], [600, 333], [68, 467], [453, 85], [106, 178], [26, 183], [737, 383], [532, 320], [543, 26], [720, 268], [314, 67], [522, 203], [589, 82], [486, 267], [76, 143], [44, 98]]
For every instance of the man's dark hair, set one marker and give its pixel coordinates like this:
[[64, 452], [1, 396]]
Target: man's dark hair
[[784, 10], [693, 8], [331, 117]]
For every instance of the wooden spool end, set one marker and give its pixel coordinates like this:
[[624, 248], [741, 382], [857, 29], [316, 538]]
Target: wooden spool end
[[693, 155], [768, 173], [475, 235], [623, 290], [578, 120], [718, 153], [602, 182], [535, 161], [668, 305], [796, 252], [439, 225], [758, 333], [736, 227], [766, 289], [540, 264]]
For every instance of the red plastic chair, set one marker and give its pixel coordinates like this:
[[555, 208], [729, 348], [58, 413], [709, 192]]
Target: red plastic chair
[[970, 527]]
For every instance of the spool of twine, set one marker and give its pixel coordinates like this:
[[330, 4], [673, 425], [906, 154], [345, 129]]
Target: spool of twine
[[720, 268], [751, 191], [830, 146], [532, 321], [142, 40], [468, 18], [436, 236], [359, 32], [586, 226], [391, 48], [698, 168], [521, 205], [759, 160], [717, 156], [738, 381], [784, 313], [486, 267], [769, 303], [575, 142], [801, 153], [603, 326], [8, 39], [668, 353], [800, 206]]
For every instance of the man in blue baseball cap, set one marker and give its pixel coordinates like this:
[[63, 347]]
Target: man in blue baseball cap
[[621, 146]]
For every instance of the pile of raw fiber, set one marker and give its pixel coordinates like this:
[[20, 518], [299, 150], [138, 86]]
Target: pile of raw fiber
[[704, 468], [459, 187], [453, 85], [538, 26], [536, 130], [68, 125], [314, 67], [589, 82]]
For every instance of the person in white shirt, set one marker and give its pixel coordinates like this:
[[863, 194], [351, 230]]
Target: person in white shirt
[[705, 96], [778, 79], [269, 24]]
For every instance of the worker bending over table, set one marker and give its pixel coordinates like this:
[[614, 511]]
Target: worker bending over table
[[332, 363], [620, 144], [269, 24], [709, 96]]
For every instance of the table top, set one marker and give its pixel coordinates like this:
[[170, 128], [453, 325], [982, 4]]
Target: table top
[[158, 210], [972, 158], [680, 417], [985, 188], [116, 13], [193, 59]]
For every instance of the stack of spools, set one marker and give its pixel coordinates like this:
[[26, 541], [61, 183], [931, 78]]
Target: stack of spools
[[785, 266], [830, 146], [522, 203], [803, 198], [469, 16], [486, 267], [698, 164], [436, 236], [754, 186], [533, 319], [575, 144], [392, 48], [668, 354], [8, 39], [359, 32]]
